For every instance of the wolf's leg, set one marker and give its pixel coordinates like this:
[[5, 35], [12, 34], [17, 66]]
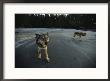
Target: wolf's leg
[[74, 35], [46, 56], [39, 53], [39, 56], [85, 37], [79, 37]]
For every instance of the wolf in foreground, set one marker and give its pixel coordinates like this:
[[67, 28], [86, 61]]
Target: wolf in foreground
[[42, 42]]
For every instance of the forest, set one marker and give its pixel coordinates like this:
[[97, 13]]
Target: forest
[[74, 21]]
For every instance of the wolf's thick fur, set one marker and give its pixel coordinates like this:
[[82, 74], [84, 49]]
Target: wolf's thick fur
[[42, 42], [79, 34]]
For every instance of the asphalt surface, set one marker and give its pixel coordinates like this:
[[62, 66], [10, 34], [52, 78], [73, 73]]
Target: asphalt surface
[[64, 52]]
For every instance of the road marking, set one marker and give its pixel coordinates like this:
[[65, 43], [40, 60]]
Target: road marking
[[18, 44]]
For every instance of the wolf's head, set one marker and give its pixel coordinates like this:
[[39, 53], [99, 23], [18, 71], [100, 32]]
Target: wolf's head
[[42, 39], [83, 34]]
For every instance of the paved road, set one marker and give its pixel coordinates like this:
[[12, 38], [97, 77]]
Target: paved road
[[64, 52]]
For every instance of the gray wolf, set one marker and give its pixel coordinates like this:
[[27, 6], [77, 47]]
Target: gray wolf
[[42, 42], [79, 34]]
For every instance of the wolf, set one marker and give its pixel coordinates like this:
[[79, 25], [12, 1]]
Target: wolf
[[42, 42], [80, 34]]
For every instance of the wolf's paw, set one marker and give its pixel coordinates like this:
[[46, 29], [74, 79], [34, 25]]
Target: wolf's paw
[[39, 58], [47, 60]]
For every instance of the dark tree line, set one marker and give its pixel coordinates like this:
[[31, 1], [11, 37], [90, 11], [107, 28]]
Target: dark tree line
[[86, 21]]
